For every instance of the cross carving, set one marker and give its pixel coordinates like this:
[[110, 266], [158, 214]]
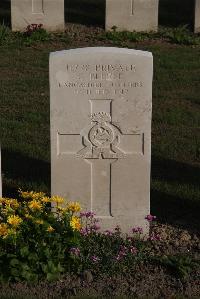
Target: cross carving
[[132, 7], [37, 6], [103, 143]]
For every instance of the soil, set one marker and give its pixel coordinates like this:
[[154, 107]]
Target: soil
[[147, 281]]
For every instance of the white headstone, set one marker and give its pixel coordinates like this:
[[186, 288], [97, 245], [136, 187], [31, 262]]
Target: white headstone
[[101, 101], [49, 13], [132, 15], [197, 16]]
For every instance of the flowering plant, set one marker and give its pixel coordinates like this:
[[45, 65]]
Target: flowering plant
[[34, 239], [35, 33]]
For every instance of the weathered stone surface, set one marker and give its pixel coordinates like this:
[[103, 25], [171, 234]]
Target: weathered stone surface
[[132, 15], [101, 101], [197, 16], [50, 13]]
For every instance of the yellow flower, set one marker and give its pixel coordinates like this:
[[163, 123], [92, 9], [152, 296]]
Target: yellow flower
[[11, 203], [2, 200], [73, 207], [14, 220], [3, 229], [31, 194], [35, 205], [61, 209], [57, 199], [50, 229], [75, 223], [28, 216], [45, 199], [26, 194], [39, 221]]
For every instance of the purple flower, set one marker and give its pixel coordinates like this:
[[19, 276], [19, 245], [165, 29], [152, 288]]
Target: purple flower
[[122, 253], [84, 231], [95, 258], [75, 251], [108, 232], [133, 250], [154, 237], [118, 257], [138, 230], [95, 227], [88, 214], [150, 218]]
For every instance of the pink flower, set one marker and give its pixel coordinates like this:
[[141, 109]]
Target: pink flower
[[108, 232], [95, 227], [133, 250], [138, 230], [88, 214], [150, 218], [95, 258], [154, 237], [75, 251]]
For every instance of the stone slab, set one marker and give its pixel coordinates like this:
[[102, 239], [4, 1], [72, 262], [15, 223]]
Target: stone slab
[[50, 13], [101, 106], [197, 17], [132, 15]]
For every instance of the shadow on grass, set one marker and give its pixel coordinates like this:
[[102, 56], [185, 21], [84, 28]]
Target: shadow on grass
[[173, 13], [5, 12], [171, 208], [86, 12], [172, 171], [29, 172], [176, 211]]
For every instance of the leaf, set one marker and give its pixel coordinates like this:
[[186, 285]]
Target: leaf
[[14, 262], [24, 251]]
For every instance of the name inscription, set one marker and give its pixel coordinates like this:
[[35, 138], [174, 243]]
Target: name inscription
[[99, 79]]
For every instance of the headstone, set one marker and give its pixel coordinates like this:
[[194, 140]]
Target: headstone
[[197, 17], [0, 176], [49, 13], [101, 101], [132, 15]]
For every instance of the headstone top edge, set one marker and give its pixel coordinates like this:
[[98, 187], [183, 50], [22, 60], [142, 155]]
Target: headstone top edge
[[100, 50]]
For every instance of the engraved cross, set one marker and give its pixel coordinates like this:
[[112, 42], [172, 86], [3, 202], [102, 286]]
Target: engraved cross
[[103, 144], [37, 6]]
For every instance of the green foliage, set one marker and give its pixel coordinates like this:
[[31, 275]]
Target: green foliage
[[180, 35], [34, 241], [35, 33], [4, 33], [123, 36], [180, 265]]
